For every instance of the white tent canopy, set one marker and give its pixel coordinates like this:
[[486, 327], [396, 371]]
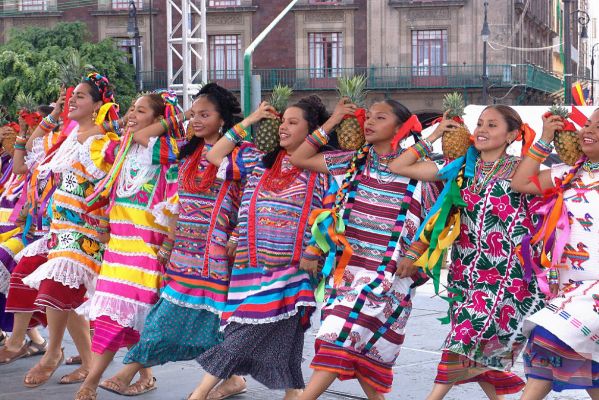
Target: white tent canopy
[[529, 114]]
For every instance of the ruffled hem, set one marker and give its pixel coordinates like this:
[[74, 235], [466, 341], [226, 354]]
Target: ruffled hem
[[40, 246], [36, 154], [4, 279], [64, 271], [269, 320], [164, 212], [184, 304], [125, 313]]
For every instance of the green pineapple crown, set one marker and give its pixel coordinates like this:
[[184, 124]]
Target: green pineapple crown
[[280, 97], [26, 102], [558, 109], [453, 104], [353, 88], [71, 72]]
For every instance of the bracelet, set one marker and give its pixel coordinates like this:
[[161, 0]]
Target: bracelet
[[237, 134], [21, 138], [19, 146], [539, 151], [233, 239], [312, 253], [164, 124], [48, 124], [168, 244], [423, 148], [544, 144], [416, 250], [553, 276], [318, 138]]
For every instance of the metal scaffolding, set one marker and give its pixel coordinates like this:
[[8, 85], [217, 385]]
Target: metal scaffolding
[[187, 55]]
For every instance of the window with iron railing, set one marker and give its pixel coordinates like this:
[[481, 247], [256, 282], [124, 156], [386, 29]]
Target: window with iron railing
[[224, 3], [326, 54], [224, 56], [33, 5], [429, 52], [121, 5]]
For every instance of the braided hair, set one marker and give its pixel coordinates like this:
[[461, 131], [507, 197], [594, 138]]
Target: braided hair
[[315, 114], [227, 106]]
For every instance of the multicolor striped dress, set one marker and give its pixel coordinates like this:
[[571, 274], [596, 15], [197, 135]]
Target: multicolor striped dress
[[185, 321], [130, 277], [270, 298], [75, 251], [365, 316], [564, 336]]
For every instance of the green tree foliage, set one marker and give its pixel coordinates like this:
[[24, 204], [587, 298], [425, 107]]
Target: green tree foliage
[[33, 60]]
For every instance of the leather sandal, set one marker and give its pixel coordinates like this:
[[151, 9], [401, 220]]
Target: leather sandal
[[141, 387], [34, 349], [7, 356], [114, 385], [86, 393], [73, 360], [40, 374], [76, 376]]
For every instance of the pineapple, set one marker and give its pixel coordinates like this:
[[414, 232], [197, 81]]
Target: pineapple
[[71, 72], [267, 137], [566, 143], [349, 132], [455, 144], [25, 102]]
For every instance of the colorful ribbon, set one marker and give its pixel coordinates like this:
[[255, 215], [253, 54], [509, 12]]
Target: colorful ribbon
[[411, 125], [526, 135]]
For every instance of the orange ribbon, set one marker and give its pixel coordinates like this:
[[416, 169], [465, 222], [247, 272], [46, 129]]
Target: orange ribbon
[[411, 125], [526, 135]]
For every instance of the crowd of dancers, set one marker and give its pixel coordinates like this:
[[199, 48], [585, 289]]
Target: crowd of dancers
[[172, 235]]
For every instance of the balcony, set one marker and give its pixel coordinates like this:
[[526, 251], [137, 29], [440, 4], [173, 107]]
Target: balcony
[[385, 78]]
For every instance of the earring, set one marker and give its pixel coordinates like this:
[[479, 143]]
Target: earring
[[94, 116], [220, 131]]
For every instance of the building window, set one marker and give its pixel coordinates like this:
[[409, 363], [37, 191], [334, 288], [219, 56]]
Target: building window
[[224, 56], [224, 3], [122, 5], [326, 54], [429, 52], [331, 2], [33, 5]]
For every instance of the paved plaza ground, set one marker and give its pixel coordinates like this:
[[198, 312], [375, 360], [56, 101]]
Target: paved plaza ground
[[414, 372]]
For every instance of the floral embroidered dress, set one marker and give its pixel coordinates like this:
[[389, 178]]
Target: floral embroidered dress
[[130, 277], [571, 319], [486, 282], [75, 251], [364, 318], [185, 321]]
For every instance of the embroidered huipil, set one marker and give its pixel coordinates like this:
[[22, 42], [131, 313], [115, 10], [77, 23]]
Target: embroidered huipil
[[199, 268], [573, 316], [75, 250], [266, 283]]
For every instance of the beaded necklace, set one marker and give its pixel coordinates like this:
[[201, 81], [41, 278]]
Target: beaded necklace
[[489, 172], [194, 181], [380, 164], [277, 179], [590, 167]]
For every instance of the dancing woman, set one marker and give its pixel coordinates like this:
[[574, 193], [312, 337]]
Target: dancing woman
[[489, 295], [562, 352]]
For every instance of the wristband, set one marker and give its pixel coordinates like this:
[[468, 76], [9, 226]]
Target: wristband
[[539, 151], [237, 134], [553, 276], [19, 146], [318, 138]]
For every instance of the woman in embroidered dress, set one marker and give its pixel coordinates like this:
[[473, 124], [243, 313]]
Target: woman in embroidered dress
[[490, 296], [77, 233], [20, 302], [563, 347], [185, 320], [270, 299], [368, 296], [130, 277]]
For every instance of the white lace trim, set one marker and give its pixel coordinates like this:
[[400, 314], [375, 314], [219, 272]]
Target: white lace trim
[[64, 271], [256, 321], [160, 216], [222, 169], [40, 246], [185, 304], [4, 279], [65, 156], [136, 172], [125, 313], [36, 154]]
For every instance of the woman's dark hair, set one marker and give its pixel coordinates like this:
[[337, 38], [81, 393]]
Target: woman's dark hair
[[313, 111], [401, 112], [510, 116], [226, 105], [93, 91], [156, 103], [45, 110]]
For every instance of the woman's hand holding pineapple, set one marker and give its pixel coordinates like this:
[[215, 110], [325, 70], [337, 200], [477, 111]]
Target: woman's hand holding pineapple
[[445, 126], [344, 107], [551, 124], [264, 110]]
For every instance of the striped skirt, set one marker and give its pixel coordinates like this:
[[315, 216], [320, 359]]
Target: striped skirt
[[457, 369], [110, 336], [547, 357], [21, 298]]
